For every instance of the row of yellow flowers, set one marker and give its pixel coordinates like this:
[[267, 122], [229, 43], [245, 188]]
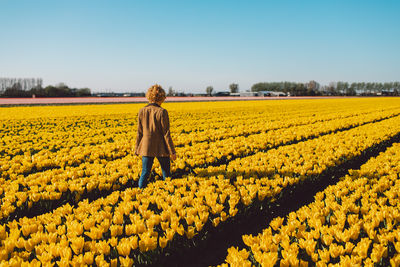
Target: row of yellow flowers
[[57, 138], [128, 224], [110, 166], [55, 133], [121, 226], [73, 139], [263, 120], [309, 157], [355, 222]]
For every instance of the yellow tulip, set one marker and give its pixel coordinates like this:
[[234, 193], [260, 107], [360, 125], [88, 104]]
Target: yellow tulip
[[349, 247], [163, 241], [126, 261], [124, 248], [170, 233], [336, 250], [103, 247], [216, 221], [189, 219], [94, 233], [362, 248], [190, 233], [25, 230], [180, 230], [325, 255], [118, 218], [29, 245], [89, 223], [276, 223], [3, 255], [51, 227], [147, 242], [99, 259], [130, 229], [3, 233], [35, 197], [20, 243], [116, 230], [66, 253], [269, 258], [327, 239], [133, 241], [77, 244], [61, 230], [114, 262], [52, 237]]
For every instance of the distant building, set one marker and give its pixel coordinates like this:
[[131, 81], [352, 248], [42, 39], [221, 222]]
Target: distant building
[[133, 94], [248, 94], [223, 93], [112, 94], [390, 92], [359, 91], [271, 93]]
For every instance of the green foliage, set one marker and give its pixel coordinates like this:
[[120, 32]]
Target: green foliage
[[234, 87], [334, 88], [60, 90], [294, 89], [209, 90]]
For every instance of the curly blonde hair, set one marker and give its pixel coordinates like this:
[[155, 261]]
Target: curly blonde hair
[[155, 94]]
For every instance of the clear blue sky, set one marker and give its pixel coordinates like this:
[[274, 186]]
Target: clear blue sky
[[130, 45]]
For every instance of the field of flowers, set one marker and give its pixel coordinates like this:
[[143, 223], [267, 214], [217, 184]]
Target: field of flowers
[[354, 222], [68, 183]]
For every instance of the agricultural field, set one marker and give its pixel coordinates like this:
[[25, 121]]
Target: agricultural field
[[268, 183]]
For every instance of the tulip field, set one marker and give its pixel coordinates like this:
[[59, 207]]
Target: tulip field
[[69, 194]]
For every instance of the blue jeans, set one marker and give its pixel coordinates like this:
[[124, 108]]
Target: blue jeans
[[147, 163]]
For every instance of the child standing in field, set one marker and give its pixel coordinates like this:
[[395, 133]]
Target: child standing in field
[[153, 135]]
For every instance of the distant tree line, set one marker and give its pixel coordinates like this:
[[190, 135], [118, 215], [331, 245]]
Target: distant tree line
[[362, 88], [12, 87], [313, 88], [292, 88], [22, 83]]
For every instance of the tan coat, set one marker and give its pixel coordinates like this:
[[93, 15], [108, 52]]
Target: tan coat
[[153, 135]]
